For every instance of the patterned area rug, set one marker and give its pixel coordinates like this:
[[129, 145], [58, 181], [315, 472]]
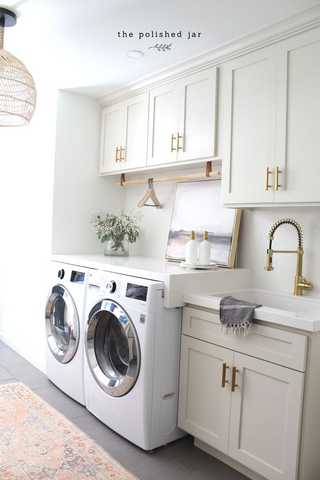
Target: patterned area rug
[[38, 443]]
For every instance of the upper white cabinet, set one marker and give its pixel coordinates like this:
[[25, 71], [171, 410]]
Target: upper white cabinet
[[182, 121], [298, 120], [124, 135], [271, 128]]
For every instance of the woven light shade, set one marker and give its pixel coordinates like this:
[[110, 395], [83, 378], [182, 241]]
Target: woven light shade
[[18, 94]]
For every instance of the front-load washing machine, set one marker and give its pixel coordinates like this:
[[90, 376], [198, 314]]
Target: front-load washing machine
[[64, 328], [131, 370]]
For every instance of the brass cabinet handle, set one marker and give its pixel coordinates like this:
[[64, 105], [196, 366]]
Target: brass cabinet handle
[[224, 371], [121, 158], [234, 384], [178, 147], [276, 176], [267, 179], [172, 138], [117, 151]]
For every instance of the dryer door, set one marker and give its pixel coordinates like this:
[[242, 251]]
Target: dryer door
[[62, 324], [112, 347]]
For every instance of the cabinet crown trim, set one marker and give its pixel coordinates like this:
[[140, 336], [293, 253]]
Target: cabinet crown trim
[[305, 20]]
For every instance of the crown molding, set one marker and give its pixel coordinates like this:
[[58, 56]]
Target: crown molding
[[294, 25]]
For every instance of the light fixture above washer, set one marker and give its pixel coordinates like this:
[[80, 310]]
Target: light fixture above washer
[[133, 54]]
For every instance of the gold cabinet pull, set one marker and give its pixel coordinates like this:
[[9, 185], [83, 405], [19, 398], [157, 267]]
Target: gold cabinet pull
[[172, 138], [224, 371], [267, 179], [121, 158], [234, 384], [117, 151], [178, 147], [276, 177]]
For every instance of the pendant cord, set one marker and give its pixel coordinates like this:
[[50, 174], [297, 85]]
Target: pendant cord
[[1, 37]]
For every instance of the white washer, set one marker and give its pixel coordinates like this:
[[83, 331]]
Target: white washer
[[64, 329], [131, 367]]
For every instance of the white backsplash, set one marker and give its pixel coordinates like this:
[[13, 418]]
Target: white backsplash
[[253, 243]]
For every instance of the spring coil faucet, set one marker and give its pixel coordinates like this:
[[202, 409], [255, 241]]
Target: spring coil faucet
[[300, 282]]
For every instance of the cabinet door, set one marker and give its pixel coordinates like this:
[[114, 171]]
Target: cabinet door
[[249, 127], [163, 125], [197, 115], [298, 142], [111, 138], [135, 131], [204, 406], [266, 411]]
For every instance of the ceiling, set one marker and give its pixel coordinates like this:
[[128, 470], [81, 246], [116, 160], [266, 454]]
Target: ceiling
[[82, 42]]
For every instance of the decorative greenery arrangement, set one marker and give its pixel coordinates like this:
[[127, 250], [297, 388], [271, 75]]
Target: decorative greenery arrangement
[[116, 226]]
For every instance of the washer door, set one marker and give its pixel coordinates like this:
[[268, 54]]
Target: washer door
[[112, 348], [62, 324]]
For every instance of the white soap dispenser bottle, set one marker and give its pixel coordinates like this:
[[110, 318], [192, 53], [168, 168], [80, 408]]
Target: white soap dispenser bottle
[[192, 250], [204, 250]]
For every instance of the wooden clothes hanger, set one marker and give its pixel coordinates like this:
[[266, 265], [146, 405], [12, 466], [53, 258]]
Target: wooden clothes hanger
[[150, 193]]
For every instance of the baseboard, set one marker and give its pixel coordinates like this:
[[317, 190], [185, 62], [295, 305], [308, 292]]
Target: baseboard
[[24, 353]]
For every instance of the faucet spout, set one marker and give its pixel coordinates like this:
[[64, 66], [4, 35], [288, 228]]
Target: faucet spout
[[300, 282]]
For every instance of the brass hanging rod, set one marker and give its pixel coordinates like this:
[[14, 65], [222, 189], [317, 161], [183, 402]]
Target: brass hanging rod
[[191, 176]]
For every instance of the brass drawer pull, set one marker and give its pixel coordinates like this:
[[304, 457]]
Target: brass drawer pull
[[172, 138], [276, 184], [178, 147], [121, 158], [224, 371], [117, 151], [267, 179], [234, 384]]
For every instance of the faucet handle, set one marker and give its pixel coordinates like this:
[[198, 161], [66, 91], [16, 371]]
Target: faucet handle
[[301, 284], [307, 286]]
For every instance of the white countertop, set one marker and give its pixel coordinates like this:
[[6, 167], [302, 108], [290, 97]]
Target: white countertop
[[201, 287], [177, 280], [307, 319]]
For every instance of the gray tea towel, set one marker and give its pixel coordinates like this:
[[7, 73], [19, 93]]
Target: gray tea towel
[[236, 316]]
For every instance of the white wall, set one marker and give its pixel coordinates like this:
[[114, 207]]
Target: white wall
[[78, 189], [27, 157]]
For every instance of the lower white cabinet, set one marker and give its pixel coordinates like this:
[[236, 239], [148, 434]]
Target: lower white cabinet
[[249, 409]]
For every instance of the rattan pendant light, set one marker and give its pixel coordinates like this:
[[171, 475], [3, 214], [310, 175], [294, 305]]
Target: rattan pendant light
[[18, 94]]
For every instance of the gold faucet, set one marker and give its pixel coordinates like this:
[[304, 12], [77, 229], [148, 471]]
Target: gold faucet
[[300, 282]]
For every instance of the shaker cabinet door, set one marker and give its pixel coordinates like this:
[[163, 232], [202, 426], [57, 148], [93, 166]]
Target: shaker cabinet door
[[204, 405], [111, 138], [266, 412], [135, 132], [298, 123], [249, 128], [197, 115], [163, 125]]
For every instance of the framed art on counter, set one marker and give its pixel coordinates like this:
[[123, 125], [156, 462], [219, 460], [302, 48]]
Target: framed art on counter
[[197, 207]]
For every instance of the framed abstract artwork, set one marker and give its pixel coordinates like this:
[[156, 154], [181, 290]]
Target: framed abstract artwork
[[197, 207]]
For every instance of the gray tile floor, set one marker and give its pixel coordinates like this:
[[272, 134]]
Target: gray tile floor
[[180, 460]]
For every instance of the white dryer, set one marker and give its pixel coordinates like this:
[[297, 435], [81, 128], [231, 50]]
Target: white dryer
[[64, 329], [131, 370]]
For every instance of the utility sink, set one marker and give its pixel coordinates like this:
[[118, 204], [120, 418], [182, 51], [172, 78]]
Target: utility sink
[[288, 303]]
